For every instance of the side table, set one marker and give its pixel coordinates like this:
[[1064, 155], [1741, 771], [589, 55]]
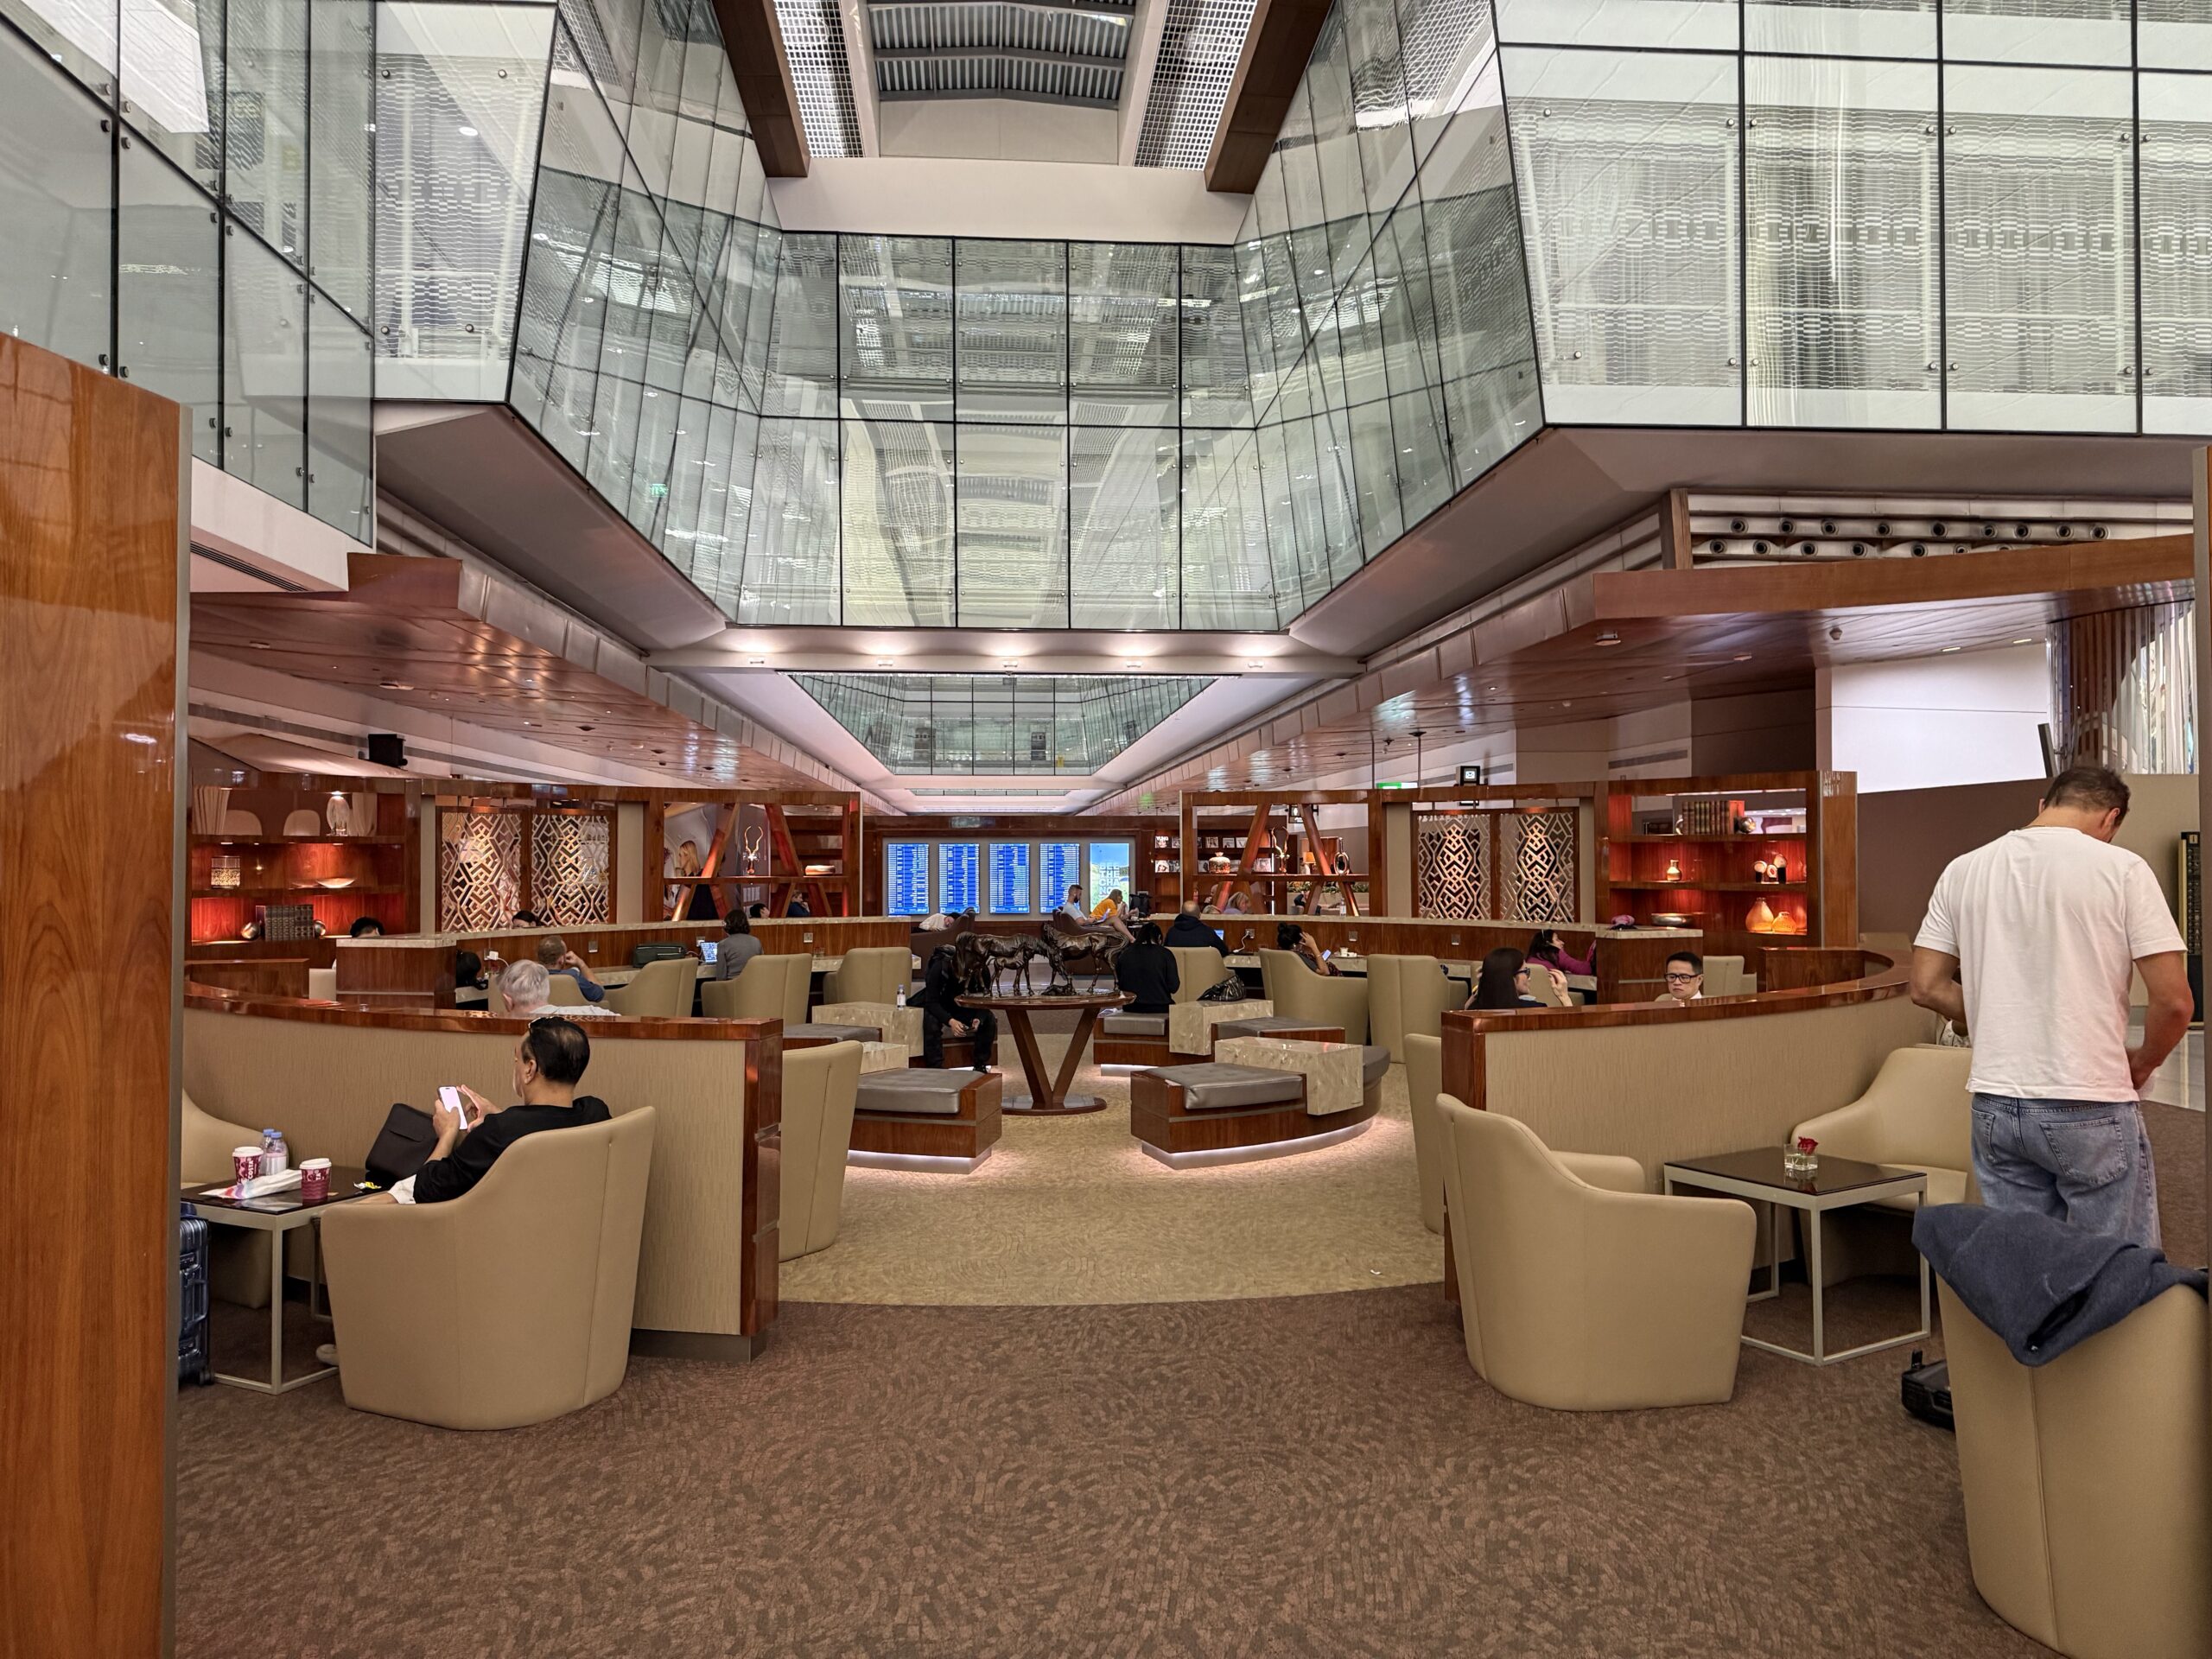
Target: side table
[[277, 1215]]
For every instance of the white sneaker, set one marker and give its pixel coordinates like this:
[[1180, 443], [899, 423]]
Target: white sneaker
[[326, 1353]]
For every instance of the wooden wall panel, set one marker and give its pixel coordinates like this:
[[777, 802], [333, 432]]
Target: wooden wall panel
[[91, 557]]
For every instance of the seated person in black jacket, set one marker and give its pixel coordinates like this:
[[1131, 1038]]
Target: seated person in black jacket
[[1146, 971], [1190, 933], [550, 1061], [943, 1017]]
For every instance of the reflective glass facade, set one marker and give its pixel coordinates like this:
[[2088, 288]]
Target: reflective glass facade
[[187, 192], [917, 724]]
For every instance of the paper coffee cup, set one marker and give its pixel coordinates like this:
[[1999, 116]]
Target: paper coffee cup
[[315, 1180], [245, 1164]]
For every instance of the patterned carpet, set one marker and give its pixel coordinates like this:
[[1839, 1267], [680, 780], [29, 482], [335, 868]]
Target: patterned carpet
[[1068, 1209]]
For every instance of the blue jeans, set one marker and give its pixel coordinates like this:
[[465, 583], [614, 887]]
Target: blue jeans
[[2086, 1162]]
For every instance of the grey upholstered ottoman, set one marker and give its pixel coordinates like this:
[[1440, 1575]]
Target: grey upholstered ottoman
[[923, 1118], [815, 1036]]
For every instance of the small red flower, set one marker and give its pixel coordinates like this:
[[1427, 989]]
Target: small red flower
[[1806, 1143]]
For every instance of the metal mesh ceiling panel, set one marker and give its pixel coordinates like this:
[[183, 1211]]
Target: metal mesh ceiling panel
[[1200, 45], [814, 46], [1049, 50]]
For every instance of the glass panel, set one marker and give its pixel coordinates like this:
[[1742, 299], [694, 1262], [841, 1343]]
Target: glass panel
[[1867, 28], [1451, 56], [651, 128], [1121, 332], [790, 547], [1011, 356], [264, 369], [563, 317], [1709, 25], [168, 292], [1121, 489], [342, 87], [2173, 34], [1479, 285], [897, 326], [1227, 582], [1841, 161], [1424, 467], [803, 341], [458, 95], [1629, 208], [2176, 174], [57, 195], [897, 522], [1374, 472], [2038, 31], [265, 131], [173, 81], [1335, 153], [1380, 112], [341, 490], [2039, 174], [1013, 559], [1217, 390]]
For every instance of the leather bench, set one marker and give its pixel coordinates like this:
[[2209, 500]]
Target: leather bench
[[1274, 1025], [950, 1117], [1208, 1112], [1126, 1038], [812, 1036]]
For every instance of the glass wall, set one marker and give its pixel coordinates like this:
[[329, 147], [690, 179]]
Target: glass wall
[[187, 189], [988, 724]]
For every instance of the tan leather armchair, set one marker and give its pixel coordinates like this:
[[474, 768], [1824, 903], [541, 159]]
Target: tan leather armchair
[[2088, 1481], [1585, 1299], [562, 991], [322, 984], [1725, 976], [1198, 968], [507, 1305], [875, 973], [771, 987], [1407, 996], [237, 1261], [1916, 1112], [661, 990], [1424, 1082], [820, 1085], [1299, 993]]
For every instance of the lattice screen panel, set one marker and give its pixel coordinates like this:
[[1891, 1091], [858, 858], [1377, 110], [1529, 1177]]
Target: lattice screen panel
[[479, 870], [1539, 865], [1452, 874], [568, 880]]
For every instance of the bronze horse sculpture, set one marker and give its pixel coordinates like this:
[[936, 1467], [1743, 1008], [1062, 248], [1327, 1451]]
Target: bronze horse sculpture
[[978, 959]]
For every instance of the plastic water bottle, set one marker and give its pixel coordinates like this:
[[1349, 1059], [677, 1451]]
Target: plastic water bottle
[[902, 996], [275, 1156]]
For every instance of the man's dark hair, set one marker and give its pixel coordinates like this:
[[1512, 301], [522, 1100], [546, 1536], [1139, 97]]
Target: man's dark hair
[[736, 923], [1146, 933], [558, 1048], [2099, 788], [467, 967], [1696, 961], [365, 925]]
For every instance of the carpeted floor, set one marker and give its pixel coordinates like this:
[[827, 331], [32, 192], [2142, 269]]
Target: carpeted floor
[[1068, 1209]]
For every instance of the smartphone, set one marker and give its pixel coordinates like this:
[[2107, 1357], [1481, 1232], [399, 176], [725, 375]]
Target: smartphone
[[450, 1098], [1325, 955], [709, 948]]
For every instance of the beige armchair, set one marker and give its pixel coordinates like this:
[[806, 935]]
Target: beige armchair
[[2088, 1481], [1585, 1299], [1424, 1082], [1297, 993], [1406, 997], [1198, 968], [771, 987], [1916, 1112], [820, 1086], [875, 973], [322, 984], [661, 990], [1725, 976], [562, 991], [507, 1305], [237, 1261]]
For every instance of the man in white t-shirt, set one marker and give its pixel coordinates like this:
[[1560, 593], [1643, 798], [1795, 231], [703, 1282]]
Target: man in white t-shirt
[[2030, 944]]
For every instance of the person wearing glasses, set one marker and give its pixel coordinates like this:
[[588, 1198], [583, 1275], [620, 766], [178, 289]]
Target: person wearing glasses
[[1503, 982], [1685, 978]]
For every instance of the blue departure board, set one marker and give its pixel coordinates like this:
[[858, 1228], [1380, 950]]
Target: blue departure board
[[1059, 867], [955, 877], [1009, 878], [907, 878]]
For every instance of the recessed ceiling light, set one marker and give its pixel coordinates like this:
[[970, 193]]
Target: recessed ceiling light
[[2029, 641], [1948, 650], [1744, 657], [468, 132], [258, 644]]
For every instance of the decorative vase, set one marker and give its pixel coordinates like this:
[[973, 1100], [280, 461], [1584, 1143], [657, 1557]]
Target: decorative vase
[[1673, 870], [1759, 919]]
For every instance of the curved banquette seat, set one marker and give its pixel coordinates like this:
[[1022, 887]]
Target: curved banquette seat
[[707, 1256]]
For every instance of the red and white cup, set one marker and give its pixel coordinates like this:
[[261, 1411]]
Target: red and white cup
[[315, 1180], [245, 1164]]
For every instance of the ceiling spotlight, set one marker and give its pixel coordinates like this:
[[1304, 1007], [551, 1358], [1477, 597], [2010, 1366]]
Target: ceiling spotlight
[[1948, 650], [883, 661], [468, 132], [2029, 641], [756, 661], [1744, 657]]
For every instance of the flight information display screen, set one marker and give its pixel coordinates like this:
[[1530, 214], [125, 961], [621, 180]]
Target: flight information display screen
[[907, 878], [1059, 867], [956, 876], [1010, 877]]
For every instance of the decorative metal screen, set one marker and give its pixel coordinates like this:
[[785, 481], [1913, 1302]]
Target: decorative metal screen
[[568, 868], [1540, 869], [479, 869], [1451, 867]]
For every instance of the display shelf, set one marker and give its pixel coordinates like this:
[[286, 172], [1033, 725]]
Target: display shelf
[[198, 839], [1717, 840], [1710, 887], [357, 889]]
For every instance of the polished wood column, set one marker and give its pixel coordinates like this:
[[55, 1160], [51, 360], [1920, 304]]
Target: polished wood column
[[93, 527]]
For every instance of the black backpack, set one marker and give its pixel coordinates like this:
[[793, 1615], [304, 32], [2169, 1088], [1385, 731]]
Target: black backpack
[[403, 1145]]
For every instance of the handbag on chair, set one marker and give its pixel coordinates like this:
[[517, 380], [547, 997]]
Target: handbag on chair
[[403, 1146]]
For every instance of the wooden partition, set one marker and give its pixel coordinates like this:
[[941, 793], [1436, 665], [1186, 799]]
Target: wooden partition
[[92, 554]]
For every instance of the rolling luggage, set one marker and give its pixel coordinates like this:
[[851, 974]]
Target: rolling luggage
[[191, 1365]]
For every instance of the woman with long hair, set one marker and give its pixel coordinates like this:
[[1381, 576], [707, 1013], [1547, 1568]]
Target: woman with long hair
[[1503, 982], [1289, 936]]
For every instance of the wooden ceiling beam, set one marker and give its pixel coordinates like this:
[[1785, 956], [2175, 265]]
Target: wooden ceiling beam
[[763, 75], [1269, 71]]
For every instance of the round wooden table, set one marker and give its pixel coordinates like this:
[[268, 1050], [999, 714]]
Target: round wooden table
[[1052, 1101]]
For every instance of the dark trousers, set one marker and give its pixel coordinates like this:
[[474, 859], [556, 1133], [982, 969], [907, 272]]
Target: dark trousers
[[984, 1033]]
